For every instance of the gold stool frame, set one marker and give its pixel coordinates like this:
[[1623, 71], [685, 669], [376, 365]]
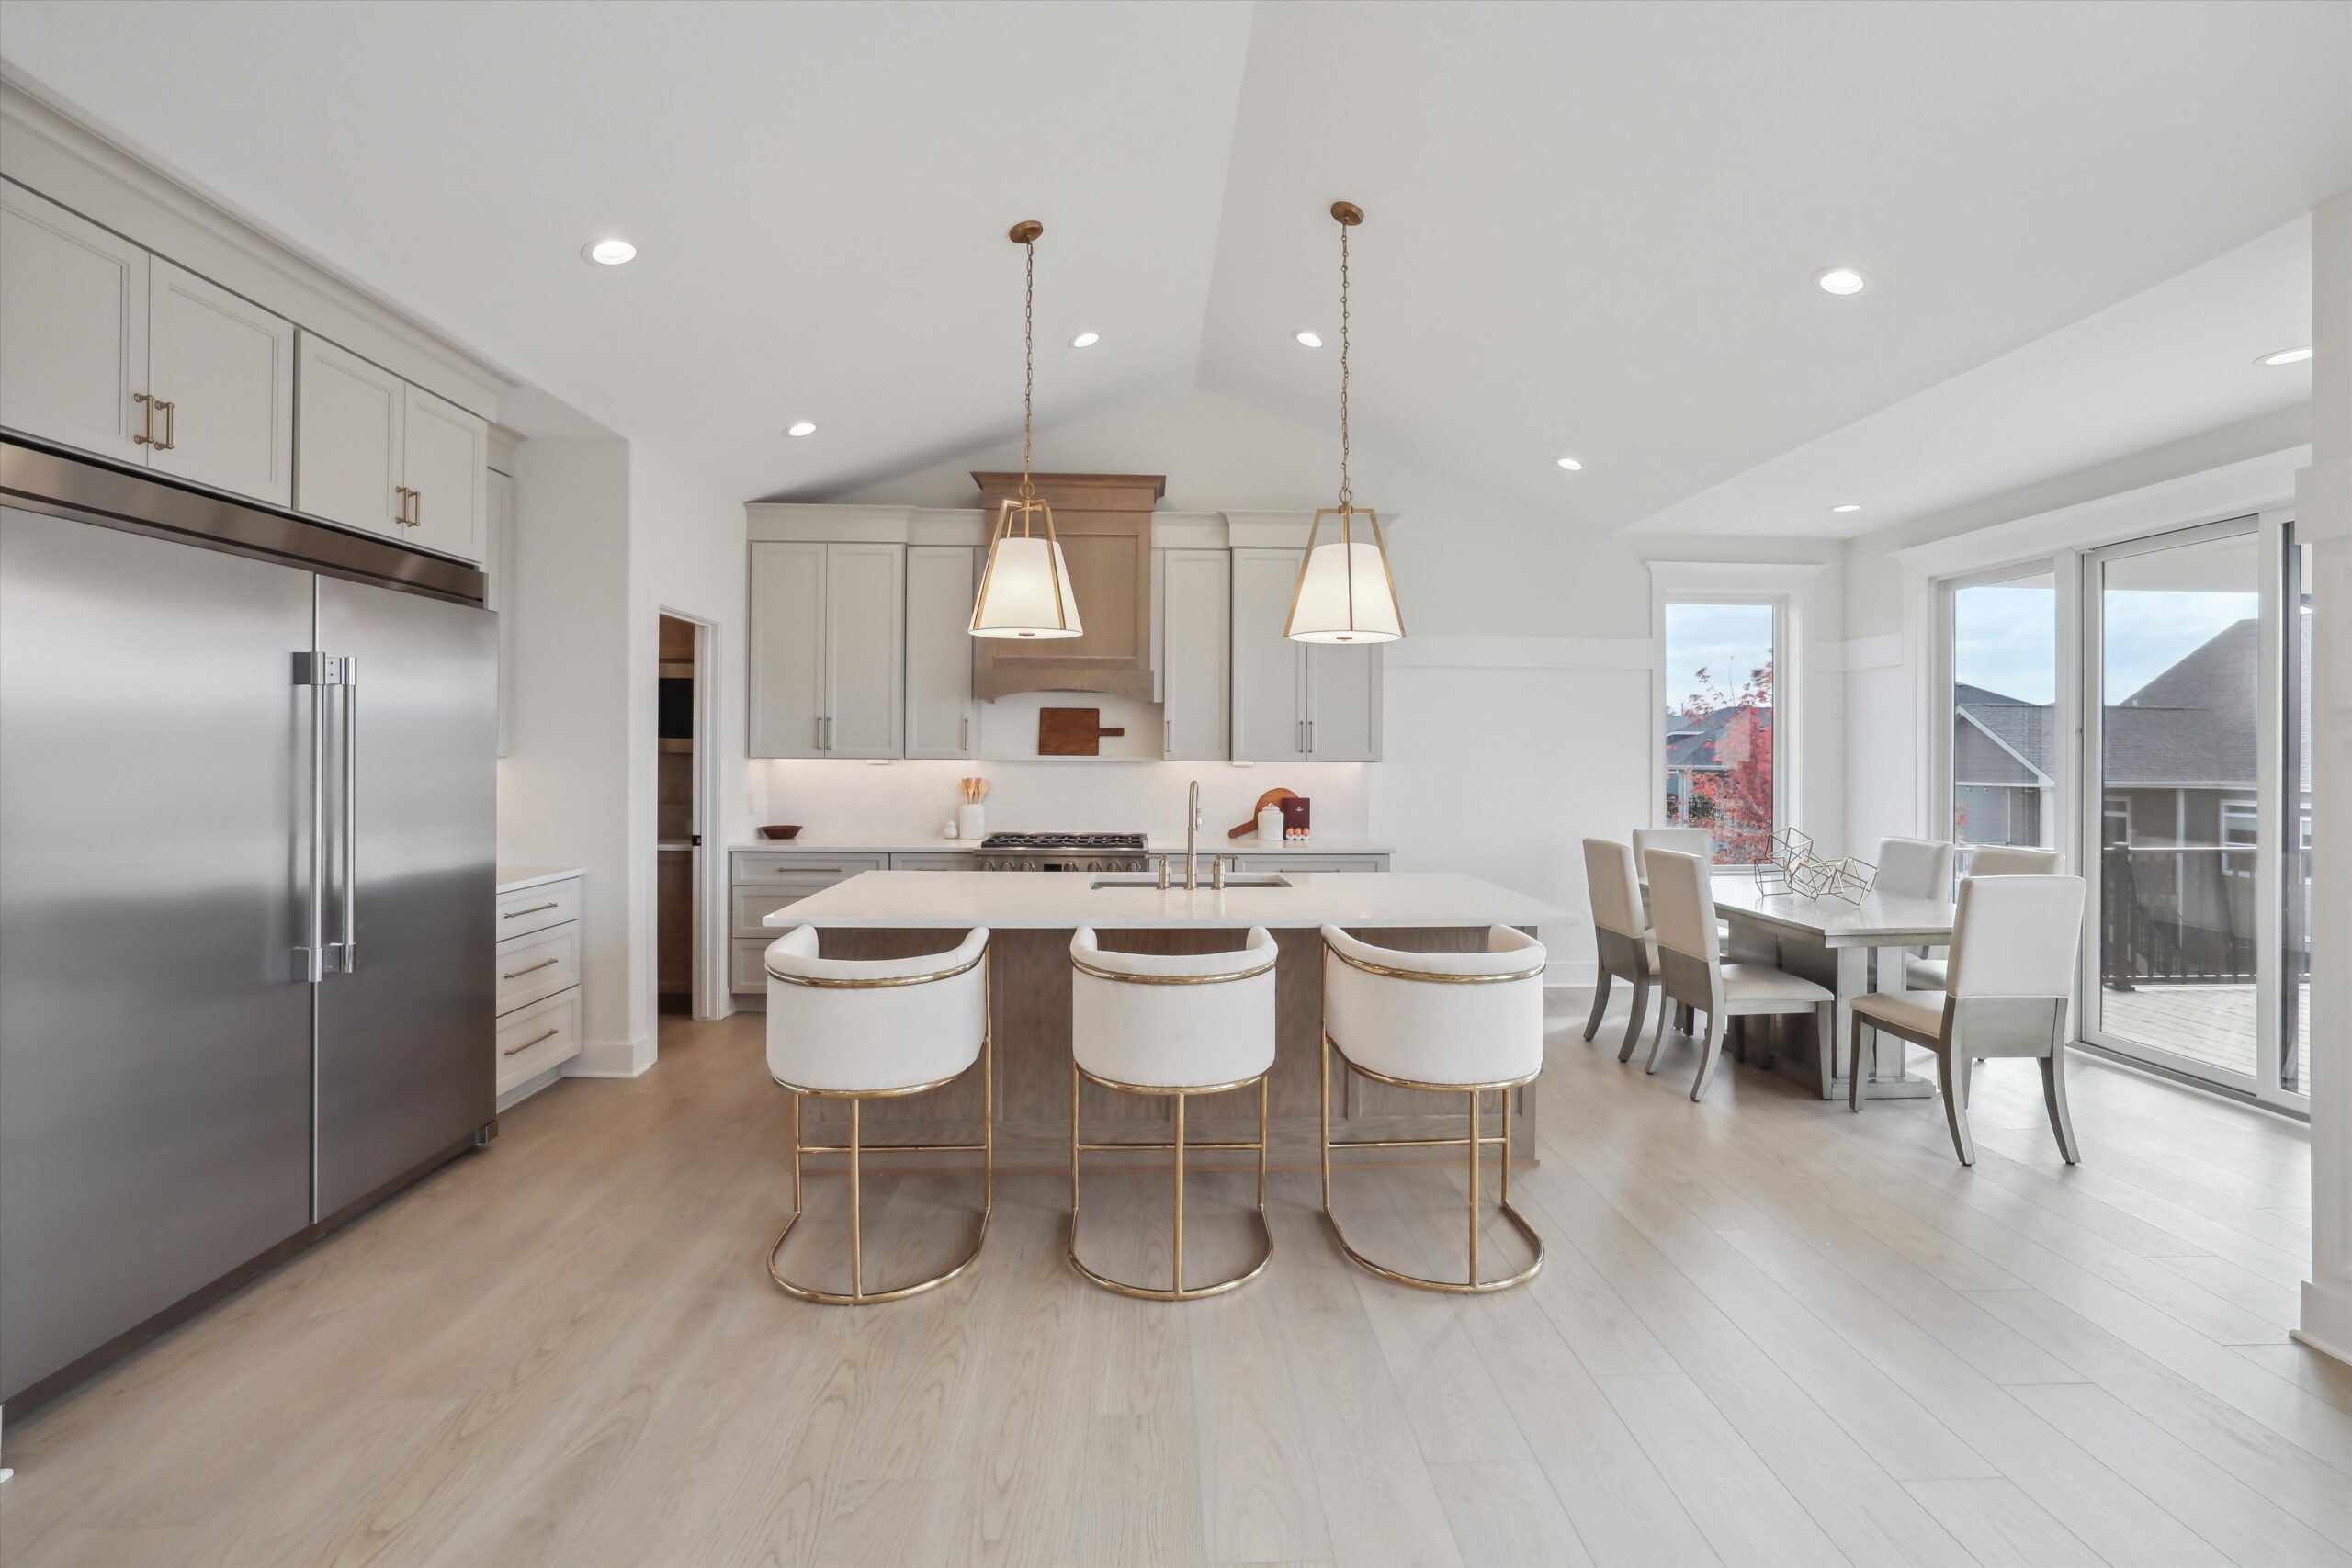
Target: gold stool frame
[[1179, 1291], [855, 1148], [1475, 1142]]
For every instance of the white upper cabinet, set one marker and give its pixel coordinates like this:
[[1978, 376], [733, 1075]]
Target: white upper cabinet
[[940, 580], [221, 369], [377, 453], [1269, 669], [73, 323], [786, 684], [865, 649], [445, 463], [1196, 653], [1295, 701], [347, 467]]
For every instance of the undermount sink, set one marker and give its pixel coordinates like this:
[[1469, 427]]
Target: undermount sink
[[1176, 884]]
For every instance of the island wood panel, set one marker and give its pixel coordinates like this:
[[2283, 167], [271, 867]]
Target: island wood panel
[[1030, 1006]]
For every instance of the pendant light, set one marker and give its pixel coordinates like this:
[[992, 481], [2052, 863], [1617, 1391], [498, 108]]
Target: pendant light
[[1025, 589], [1345, 592]]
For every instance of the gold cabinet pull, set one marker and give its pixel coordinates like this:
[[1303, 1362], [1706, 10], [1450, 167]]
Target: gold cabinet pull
[[518, 1050], [146, 436], [529, 969], [518, 914], [416, 509], [170, 427]]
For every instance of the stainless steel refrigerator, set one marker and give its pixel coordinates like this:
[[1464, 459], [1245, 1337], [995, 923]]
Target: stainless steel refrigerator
[[247, 835]]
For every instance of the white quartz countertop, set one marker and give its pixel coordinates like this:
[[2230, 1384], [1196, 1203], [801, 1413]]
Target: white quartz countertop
[[1062, 900], [1210, 844], [514, 878]]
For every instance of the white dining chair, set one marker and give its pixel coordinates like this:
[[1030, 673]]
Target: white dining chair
[[1624, 947], [1681, 841], [882, 1029], [2014, 945], [1929, 974], [1912, 868], [1691, 971]]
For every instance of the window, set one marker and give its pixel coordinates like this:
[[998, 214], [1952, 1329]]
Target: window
[[2295, 858], [1721, 772], [2004, 712], [2239, 834]]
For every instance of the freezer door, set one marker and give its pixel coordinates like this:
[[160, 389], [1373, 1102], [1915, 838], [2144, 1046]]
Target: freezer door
[[154, 1023], [406, 1058]]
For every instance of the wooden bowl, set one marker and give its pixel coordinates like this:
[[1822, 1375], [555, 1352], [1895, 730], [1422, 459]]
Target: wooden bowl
[[791, 832]]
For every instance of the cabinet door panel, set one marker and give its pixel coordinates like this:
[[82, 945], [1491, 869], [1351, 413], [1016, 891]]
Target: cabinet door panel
[[940, 581], [74, 320], [1269, 709], [498, 570], [226, 367], [865, 649], [347, 455], [445, 459], [1196, 663], [787, 682], [1342, 704]]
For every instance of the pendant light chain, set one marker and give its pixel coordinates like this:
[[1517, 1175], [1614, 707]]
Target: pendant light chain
[[1028, 365], [1347, 495]]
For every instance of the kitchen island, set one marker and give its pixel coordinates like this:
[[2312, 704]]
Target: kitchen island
[[892, 914]]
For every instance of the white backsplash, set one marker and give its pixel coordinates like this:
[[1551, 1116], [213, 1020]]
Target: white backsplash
[[915, 799]]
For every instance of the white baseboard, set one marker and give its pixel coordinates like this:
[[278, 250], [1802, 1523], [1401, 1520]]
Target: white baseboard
[[612, 1059], [2326, 1326]]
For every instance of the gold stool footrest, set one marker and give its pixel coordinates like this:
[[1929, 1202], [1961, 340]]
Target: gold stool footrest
[[1179, 1291], [1457, 1287], [868, 1298]]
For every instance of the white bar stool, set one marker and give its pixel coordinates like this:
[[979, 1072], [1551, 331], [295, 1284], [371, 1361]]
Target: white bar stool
[[1447, 1022], [846, 1029], [1178, 1025]]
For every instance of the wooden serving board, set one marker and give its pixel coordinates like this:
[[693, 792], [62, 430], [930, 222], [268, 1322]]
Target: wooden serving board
[[1271, 797], [1071, 732]]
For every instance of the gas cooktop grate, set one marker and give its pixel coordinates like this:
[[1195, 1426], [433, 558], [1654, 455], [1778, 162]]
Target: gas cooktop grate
[[1105, 844]]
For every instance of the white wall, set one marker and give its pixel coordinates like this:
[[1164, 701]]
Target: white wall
[[1517, 711]]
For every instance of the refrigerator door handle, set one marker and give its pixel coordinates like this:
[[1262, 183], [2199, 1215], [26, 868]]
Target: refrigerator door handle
[[350, 672], [311, 669]]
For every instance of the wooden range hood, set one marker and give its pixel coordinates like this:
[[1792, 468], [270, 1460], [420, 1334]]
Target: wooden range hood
[[1104, 523]]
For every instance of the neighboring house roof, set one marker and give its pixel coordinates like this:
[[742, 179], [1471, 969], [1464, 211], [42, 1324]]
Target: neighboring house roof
[[2195, 723], [1691, 745]]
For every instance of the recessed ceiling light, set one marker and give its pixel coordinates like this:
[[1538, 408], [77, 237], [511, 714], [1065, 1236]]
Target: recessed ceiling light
[[1842, 280], [2286, 356], [1570, 464], [801, 427], [609, 253], [1086, 340], [1849, 506], [1312, 340]]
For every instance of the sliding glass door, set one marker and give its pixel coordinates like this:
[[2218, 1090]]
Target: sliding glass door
[[2173, 661], [2003, 742]]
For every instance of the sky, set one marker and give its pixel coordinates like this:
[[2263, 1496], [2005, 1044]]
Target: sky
[[2005, 636], [1725, 640]]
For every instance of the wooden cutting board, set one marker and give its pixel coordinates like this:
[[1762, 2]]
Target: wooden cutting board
[[1269, 798], [1071, 732]]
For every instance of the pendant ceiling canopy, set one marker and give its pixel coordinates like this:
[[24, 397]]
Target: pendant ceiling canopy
[[1345, 592], [1025, 588]]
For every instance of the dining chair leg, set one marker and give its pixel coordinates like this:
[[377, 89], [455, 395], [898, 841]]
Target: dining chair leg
[[1955, 1114], [1633, 1024], [1717, 1025], [1963, 1069], [2053, 1095], [1856, 1079], [1599, 1000], [1658, 1038]]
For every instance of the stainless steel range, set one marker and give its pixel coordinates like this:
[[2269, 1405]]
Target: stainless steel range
[[1062, 852]]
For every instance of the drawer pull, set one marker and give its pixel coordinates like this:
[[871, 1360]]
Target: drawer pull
[[518, 1050], [518, 914], [529, 969]]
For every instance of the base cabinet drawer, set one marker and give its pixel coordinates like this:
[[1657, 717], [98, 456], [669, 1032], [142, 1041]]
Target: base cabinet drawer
[[753, 905], [804, 868], [748, 969], [533, 1038], [930, 861], [530, 967], [1313, 862], [532, 909]]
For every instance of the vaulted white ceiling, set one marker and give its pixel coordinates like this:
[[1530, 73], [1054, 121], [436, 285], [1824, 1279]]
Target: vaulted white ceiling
[[1592, 229]]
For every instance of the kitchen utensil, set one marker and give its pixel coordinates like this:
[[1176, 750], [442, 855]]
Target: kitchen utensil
[[1071, 732], [972, 821], [1271, 797], [791, 832]]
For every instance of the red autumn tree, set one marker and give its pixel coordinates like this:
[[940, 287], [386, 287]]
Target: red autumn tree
[[1730, 790]]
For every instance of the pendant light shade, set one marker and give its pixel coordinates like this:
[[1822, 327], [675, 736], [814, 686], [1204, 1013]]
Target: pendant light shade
[[1345, 592], [1025, 589]]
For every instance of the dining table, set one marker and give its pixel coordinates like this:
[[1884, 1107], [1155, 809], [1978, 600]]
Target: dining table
[[1835, 942]]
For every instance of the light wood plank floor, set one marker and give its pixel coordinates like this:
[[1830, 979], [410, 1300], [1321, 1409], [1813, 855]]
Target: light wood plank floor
[[1768, 1331]]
